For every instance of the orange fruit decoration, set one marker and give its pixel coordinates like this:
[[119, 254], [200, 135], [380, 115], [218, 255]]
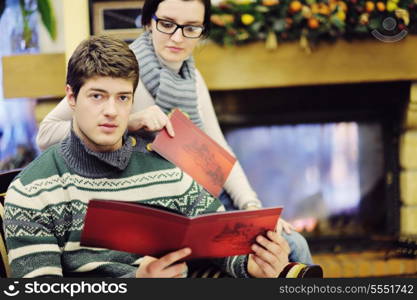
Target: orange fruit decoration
[[380, 6], [369, 6], [313, 23], [295, 6]]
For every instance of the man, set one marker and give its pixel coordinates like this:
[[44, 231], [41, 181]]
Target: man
[[45, 206]]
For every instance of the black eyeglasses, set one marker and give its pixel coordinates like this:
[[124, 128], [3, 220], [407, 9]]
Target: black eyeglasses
[[188, 31]]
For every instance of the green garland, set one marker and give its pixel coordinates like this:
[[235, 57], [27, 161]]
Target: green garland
[[236, 22]]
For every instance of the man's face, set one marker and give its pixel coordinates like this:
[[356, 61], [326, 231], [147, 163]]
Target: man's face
[[101, 112]]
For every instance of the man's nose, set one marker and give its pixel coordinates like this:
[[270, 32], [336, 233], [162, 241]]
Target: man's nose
[[110, 108]]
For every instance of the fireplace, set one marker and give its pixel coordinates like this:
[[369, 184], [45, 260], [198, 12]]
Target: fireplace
[[328, 153]]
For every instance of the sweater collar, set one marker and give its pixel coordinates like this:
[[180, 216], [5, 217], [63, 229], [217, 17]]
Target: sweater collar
[[83, 161]]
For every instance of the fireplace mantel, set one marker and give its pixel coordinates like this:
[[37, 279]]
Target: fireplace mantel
[[252, 66], [246, 67]]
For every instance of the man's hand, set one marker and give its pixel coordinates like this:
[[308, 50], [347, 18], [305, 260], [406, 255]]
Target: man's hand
[[151, 119], [281, 225], [284, 225], [271, 256], [164, 267]]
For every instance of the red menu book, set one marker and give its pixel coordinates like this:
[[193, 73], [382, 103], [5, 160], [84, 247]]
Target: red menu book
[[195, 153], [155, 231]]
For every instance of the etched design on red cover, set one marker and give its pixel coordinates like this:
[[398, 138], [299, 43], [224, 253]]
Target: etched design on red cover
[[239, 235]]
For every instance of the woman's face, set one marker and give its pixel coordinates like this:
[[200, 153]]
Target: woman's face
[[175, 47]]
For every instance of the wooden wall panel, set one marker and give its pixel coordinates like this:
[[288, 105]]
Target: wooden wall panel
[[34, 75]]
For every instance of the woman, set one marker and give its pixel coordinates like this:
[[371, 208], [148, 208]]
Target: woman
[[168, 79]]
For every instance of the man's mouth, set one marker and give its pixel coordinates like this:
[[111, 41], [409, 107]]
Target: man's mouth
[[108, 127]]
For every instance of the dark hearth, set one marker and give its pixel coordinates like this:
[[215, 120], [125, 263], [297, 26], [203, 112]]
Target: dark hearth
[[374, 222]]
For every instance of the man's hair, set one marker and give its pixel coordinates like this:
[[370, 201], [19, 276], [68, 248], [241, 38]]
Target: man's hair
[[151, 6], [101, 56]]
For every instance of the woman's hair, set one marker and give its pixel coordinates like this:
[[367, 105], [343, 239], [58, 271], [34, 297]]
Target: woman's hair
[[151, 6], [101, 56]]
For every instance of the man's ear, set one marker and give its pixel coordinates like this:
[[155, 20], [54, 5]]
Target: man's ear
[[70, 96]]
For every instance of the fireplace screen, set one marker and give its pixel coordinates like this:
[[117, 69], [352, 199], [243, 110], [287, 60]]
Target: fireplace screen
[[328, 177]]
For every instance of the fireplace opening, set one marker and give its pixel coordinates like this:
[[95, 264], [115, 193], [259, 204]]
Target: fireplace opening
[[324, 175], [328, 154]]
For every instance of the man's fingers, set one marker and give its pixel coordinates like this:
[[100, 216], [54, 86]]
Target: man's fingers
[[287, 227], [279, 240], [266, 255], [270, 249], [172, 257], [282, 242], [275, 237], [147, 259], [284, 225], [266, 268], [273, 242], [278, 228], [170, 128], [174, 271]]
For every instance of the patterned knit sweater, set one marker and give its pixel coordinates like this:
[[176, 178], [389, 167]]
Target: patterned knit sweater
[[46, 204]]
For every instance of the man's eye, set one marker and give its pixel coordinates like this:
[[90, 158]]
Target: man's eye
[[96, 96], [124, 98]]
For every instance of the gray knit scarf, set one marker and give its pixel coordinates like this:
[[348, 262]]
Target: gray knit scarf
[[169, 89]]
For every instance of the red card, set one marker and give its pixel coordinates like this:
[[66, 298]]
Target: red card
[[145, 230], [195, 153]]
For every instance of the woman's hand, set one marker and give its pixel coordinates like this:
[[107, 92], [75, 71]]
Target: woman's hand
[[164, 267], [271, 256], [151, 119]]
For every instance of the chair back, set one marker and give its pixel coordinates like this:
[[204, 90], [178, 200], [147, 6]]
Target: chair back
[[5, 179], [4, 261]]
